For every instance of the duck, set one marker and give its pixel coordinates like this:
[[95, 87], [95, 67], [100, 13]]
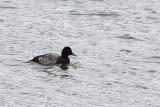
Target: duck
[[52, 58]]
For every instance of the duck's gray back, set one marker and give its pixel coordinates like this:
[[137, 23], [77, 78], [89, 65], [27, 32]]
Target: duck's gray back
[[48, 58]]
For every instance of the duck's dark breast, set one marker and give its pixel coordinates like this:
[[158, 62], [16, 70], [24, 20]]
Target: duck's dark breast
[[61, 60]]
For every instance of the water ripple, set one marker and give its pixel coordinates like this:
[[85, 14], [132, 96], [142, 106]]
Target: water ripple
[[95, 14], [127, 37], [151, 71], [125, 50], [7, 7], [155, 57]]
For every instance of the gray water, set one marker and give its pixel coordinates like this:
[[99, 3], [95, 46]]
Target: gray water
[[117, 44]]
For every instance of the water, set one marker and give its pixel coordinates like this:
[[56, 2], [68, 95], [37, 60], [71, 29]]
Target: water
[[116, 42]]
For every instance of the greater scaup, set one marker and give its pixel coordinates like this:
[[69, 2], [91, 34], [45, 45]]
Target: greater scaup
[[52, 58]]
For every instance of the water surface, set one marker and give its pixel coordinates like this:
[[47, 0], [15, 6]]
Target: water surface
[[117, 47]]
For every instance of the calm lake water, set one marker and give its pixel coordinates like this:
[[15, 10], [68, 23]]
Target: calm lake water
[[117, 43]]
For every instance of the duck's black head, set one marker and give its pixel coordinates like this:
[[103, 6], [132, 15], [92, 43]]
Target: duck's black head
[[66, 52]]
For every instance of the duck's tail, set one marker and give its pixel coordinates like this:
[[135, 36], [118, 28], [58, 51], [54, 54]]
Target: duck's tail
[[35, 59]]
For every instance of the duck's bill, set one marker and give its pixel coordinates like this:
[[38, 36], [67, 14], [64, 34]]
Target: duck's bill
[[73, 54]]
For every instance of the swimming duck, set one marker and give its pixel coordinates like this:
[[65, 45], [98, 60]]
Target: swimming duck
[[51, 58]]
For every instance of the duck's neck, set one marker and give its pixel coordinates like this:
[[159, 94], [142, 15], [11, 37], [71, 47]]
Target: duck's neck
[[64, 56]]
